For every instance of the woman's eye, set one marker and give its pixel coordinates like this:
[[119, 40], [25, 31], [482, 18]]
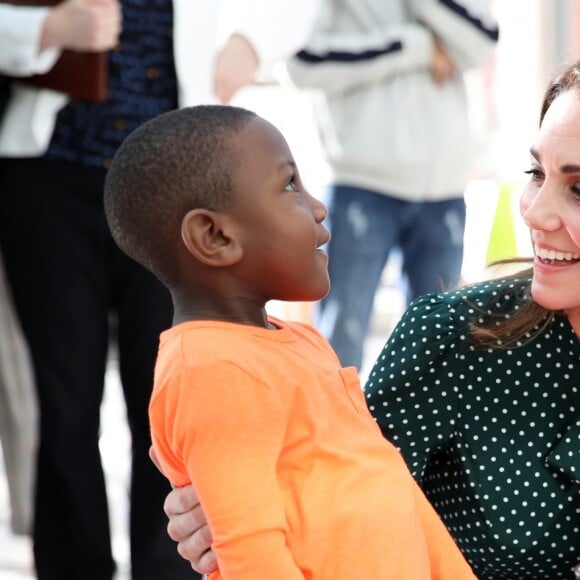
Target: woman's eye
[[291, 185], [534, 173], [576, 189]]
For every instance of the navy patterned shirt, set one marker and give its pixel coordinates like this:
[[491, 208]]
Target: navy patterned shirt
[[142, 85]]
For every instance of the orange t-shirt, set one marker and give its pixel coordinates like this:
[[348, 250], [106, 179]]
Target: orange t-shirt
[[291, 470]]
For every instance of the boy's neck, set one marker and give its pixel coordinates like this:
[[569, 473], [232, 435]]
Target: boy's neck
[[251, 317], [212, 302]]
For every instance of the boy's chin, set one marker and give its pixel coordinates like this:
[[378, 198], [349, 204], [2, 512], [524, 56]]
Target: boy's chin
[[313, 296], [319, 294]]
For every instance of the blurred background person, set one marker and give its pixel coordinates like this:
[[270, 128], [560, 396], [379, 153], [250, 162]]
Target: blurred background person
[[18, 414], [72, 286], [19, 55], [392, 113]]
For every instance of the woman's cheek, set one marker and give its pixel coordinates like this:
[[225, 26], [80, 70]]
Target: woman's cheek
[[574, 230], [524, 201]]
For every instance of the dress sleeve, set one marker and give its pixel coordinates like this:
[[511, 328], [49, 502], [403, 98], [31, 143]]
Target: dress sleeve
[[565, 457], [409, 390], [226, 438]]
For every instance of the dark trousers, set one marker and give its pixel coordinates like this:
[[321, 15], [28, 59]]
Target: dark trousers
[[68, 279]]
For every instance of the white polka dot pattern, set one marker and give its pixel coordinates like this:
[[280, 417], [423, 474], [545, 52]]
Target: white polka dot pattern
[[492, 436]]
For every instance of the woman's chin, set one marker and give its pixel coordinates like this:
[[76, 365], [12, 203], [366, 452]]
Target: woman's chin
[[548, 296]]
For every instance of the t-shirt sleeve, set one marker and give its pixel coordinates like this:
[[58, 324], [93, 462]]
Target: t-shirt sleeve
[[227, 438], [410, 390]]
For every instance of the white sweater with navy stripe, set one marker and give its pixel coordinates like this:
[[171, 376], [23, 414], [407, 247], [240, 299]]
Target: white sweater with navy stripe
[[384, 123]]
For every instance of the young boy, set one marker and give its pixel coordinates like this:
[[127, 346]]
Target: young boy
[[256, 412]]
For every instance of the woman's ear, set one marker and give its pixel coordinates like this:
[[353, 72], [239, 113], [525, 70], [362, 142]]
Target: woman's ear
[[209, 238]]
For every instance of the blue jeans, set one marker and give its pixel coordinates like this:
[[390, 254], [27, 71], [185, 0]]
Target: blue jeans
[[365, 227]]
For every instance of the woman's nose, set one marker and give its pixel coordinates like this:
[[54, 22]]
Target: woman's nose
[[539, 209]]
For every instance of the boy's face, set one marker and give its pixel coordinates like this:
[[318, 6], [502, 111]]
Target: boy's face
[[278, 222]]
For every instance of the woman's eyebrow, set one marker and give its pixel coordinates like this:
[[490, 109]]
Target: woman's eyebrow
[[570, 168], [567, 168]]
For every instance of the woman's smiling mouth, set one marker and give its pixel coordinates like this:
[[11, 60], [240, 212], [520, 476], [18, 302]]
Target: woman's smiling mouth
[[555, 258]]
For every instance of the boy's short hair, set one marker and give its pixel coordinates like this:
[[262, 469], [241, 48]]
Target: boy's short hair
[[176, 162]]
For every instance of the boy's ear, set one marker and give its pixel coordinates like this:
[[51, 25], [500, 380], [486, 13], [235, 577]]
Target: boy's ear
[[209, 239]]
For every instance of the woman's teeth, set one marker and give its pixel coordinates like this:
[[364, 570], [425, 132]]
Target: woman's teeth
[[554, 256]]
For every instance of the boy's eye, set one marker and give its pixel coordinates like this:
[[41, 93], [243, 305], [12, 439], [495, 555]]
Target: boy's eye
[[291, 185]]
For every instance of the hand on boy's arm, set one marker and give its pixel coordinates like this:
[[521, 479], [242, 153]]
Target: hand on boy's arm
[[236, 67], [188, 527]]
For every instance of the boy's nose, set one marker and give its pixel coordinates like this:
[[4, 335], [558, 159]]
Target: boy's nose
[[319, 210]]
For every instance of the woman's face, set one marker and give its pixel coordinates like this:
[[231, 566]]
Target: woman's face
[[550, 206]]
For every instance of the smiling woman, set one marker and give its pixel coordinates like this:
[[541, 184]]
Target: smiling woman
[[550, 206], [479, 387]]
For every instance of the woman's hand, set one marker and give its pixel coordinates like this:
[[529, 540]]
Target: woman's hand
[[83, 25], [236, 67], [188, 526]]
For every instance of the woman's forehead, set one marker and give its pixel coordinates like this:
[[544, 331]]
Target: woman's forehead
[[564, 111], [560, 129]]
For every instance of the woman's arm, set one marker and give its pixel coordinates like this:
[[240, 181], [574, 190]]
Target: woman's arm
[[261, 38], [409, 390]]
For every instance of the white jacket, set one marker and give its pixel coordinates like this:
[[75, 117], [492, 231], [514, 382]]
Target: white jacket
[[28, 124], [384, 123]]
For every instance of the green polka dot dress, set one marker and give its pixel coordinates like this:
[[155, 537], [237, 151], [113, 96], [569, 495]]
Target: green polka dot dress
[[492, 436]]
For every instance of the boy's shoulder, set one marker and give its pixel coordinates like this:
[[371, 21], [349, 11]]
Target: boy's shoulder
[[287, 356], [200, 342]]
